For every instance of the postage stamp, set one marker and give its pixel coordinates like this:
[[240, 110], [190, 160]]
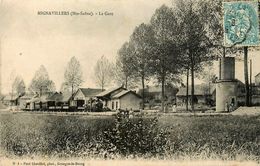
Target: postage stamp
[[241, 24]]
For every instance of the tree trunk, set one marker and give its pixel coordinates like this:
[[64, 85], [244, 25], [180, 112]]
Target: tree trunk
[[246, 76], [72, 88], [250, 84], [126, 81], [143, 92], [102, 87], [224, 52], [192, 84], [163, 88], [187, 91], [209, 85]]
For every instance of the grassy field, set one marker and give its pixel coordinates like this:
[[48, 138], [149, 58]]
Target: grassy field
[[197, 137]]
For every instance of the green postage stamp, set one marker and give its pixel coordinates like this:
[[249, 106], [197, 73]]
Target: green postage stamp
[[241, 23]]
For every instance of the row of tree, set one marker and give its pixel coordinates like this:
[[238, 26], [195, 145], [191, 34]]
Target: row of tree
[[178, 40], [73, 78]]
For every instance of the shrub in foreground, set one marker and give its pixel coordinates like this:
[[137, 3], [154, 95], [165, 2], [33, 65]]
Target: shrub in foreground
[[134, 137]]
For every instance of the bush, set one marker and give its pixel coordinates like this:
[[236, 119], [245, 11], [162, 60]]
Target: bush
[[135, 137]]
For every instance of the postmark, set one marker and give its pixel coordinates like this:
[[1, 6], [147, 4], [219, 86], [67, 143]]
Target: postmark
[[241, 24]]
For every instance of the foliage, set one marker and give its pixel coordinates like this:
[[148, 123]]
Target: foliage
[[212, 14], [41, 82], [123, 69], [143, 42], [195, 44], [165, 60], [134, 137], [18, 86], [103, 72], [223, 137], [72, 76]]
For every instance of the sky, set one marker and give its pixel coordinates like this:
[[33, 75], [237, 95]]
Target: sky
[[29, 40]]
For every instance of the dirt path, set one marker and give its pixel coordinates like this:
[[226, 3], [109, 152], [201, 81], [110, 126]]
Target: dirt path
[[247, 111]]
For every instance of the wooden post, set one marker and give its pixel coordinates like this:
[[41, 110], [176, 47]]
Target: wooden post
[[187, 91], [246, 76], [250, 83]]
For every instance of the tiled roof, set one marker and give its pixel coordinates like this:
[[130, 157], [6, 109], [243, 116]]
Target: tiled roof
[[88, 92], [10, 97], [198, 90], [27, 96], [109, 91], [66, 97], [55, 97], [124, 92], [257, 75]]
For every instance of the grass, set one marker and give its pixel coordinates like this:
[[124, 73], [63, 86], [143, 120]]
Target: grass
[[215, 137], [196, 137]]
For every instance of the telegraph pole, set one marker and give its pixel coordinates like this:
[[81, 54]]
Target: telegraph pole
[[246, 75], [250, 83]]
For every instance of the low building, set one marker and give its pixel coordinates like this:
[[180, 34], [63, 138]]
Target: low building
[[11, 100], [155, 93], [84, 95], [120, 98], [203, 94], [24, 99], [254, 95], [39, 102], [257, 79], [125, 100], [106, 95]]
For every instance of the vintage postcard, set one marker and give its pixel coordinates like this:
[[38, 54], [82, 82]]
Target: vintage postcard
[[129, 82]]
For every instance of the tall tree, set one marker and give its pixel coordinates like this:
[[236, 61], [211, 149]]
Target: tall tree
[[103, 72], [208, 76], [73, 75], [143, 42], [165, 60], [123, 69], [41, 82], [18, 86], [196, 44]]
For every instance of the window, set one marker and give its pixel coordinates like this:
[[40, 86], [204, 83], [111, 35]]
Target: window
[[116, 105], [112, 105]]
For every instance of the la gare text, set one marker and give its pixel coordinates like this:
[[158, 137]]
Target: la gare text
[[74, 13]]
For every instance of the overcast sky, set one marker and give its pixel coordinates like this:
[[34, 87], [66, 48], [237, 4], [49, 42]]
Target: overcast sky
[[29, 40]]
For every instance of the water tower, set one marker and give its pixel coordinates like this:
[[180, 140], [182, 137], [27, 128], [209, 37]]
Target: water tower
[[226, 86]]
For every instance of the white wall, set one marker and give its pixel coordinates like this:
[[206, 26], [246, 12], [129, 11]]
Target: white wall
[[130, 101]]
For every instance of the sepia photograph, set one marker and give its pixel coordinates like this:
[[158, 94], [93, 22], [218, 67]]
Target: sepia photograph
[[129, 82]]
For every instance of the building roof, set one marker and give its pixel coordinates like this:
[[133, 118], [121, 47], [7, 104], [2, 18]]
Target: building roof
[[89, 92], [27, 96], [66, 97], [124, 92], [44, 98], [10, 97], [200, 89], [55, 97], [60, 97], [257, 75], [158, 89], [109, 91]]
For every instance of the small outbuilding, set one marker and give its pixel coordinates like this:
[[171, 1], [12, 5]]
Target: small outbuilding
[[24, 99], [203, 94], [125, 100], [11, 100], [84, 95], [120, 98]]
